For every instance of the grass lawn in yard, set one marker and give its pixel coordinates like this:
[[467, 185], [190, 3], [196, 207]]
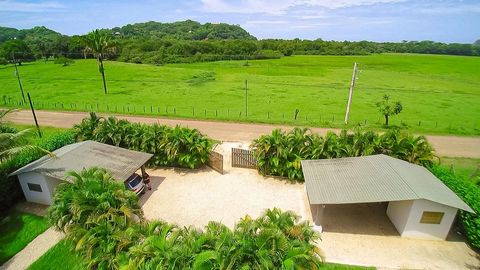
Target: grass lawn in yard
[[17, 229], [439, 93], [59, 257]]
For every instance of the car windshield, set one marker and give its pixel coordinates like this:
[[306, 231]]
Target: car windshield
[[135, 181]]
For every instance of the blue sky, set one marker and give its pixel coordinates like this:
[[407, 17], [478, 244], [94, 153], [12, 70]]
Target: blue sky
[[377, 20]]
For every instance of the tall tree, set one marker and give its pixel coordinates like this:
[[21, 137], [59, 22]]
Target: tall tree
[[100, 44], [389, 108]]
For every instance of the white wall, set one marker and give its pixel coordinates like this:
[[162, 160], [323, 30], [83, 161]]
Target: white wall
[[409, 225], [415, 229], [47, 184], [398, 212]]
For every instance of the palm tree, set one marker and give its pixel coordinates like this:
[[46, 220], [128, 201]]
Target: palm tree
[[86, 129], [93, 197], [13, 143], [100, 44]]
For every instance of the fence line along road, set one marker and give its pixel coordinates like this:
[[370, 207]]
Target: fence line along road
[[451, 146]]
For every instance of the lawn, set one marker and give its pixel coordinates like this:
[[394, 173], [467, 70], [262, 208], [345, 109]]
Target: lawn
[[18, 229], [439, 93], [59, 257]]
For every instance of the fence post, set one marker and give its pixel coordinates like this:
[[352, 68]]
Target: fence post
[[205, 113], [193, 111]]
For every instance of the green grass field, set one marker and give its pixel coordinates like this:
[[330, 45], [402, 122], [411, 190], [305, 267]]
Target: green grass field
[[440, 94], [17, 229]]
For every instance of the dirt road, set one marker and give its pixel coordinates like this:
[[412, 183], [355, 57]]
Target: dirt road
[[451, 146]]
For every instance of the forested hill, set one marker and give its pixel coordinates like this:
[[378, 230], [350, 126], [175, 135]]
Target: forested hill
[[184, 30], [189, 41], [37, 32]]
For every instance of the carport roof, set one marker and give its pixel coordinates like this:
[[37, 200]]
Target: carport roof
[[377, 178], [120, 162]]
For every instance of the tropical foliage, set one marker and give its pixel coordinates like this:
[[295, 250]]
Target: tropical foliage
[[281, 152], [470, 194], [178, 146], [103, 221]]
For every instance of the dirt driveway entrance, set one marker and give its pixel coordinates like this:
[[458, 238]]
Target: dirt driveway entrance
[[194, 197]]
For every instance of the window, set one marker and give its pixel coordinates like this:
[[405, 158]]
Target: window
[[34, 187], [432, 217]]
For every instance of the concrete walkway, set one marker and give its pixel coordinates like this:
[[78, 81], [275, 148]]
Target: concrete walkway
[[34, 250], [448, 146]]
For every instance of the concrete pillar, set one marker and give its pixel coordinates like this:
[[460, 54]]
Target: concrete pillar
[[318, 214]]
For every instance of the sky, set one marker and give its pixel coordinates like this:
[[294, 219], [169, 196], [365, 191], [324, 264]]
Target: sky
[[374, 20]]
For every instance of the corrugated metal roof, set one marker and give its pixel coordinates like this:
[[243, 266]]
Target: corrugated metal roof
[[377, 178], [120, 162]]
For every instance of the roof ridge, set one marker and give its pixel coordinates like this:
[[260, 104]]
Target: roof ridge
[[387, 159]]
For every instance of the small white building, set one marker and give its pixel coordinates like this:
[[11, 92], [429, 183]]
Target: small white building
[[419, 204], [40, 178]]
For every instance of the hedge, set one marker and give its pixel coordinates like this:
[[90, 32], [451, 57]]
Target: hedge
[[470, 194]]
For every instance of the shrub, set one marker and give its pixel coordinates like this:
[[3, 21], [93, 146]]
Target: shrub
[[96, 214], [281, 152], [64, 61], [178, 146], [470, 194]]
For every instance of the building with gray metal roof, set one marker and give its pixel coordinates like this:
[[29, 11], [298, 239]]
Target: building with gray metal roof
[[39, 178], [408, 188]]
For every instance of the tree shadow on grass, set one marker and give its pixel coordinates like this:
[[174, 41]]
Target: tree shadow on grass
[[10, 227]]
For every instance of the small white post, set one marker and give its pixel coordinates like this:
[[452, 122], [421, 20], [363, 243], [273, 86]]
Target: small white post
[[352, 85]]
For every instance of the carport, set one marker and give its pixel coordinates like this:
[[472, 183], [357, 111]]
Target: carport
[[40, 178], [417, 203]]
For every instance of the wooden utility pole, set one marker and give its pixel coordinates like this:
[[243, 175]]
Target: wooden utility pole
[[34, 116], [352, 85], [246, 98], [18, 77]]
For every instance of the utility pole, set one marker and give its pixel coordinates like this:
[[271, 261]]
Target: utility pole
[[352, 85], [246, 98], [18, 77], [34, 116]]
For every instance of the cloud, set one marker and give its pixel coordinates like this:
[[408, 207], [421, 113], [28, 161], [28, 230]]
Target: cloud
[[22, 6], [280, 7], [450, 9]]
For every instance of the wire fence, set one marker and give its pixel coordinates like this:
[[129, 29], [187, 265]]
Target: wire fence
[[296, 117]]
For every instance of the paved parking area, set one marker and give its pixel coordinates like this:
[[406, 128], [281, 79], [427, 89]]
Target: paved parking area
[[360, 234]]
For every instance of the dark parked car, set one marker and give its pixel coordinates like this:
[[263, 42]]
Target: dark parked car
[[135, 184]]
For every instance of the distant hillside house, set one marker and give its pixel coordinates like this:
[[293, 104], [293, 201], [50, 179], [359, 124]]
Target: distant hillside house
[[419, 204], [40, 178]]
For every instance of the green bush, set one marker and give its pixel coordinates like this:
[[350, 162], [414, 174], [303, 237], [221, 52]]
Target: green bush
[[64, 61], [178, 146], [105, 224], [281, 152], [470, 194], [11, 191]]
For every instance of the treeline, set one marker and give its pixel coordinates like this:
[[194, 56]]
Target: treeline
[[189, 41]]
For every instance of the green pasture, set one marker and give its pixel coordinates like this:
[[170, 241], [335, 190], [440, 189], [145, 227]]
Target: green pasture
[[440, 94]]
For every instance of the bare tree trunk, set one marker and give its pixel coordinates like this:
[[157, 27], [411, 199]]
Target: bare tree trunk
[[386, 120], [103, 75]]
